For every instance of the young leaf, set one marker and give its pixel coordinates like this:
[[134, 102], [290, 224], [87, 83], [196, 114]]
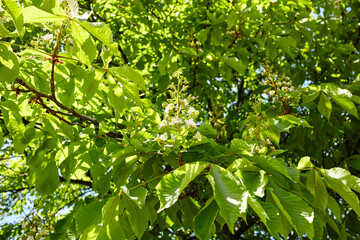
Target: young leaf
[[229, 194], [171, 185], [205, 219], [295, 209], [324, 106]]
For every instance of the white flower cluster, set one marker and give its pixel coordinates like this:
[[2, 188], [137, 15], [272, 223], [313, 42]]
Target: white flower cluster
[[179, 115], [279, 89]]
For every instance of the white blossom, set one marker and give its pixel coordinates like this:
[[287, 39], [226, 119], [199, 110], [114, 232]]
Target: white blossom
[[190, 123], [271, 93], [191, 110], [163, 124], [197, 136], [173, 137], [48, 37], [169, 108], [291, 89]]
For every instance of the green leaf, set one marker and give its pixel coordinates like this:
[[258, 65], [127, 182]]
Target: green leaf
[[316, 186], [295, 209], [298, 121], [229, 194], [254, 182], [207, 130], [88, 215], [111, 228], [268, 214], [171, 185], [204, 220], [324, 106], [190, 208], [345, 176], [131, 88], [16, 15], [235, 64], [116, 98], [35, 15], [346, 104], [137, 215], [85, 48], [343, 190], [102, 32], [334, 207], [203, 34], [311, 97], [90, 85], [48, 179], [9, 64], [305, 164], [130, 75]]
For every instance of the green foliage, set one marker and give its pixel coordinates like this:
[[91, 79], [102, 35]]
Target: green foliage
[[178, 120]]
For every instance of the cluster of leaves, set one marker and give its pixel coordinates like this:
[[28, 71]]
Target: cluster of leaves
[[255, 137]]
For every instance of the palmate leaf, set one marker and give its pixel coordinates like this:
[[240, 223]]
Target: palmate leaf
[[204, 220], [130, 74], [170, 186], [295, 209], [47, 180], [229, 194]]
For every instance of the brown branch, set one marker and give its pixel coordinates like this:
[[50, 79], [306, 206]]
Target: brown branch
[[55, 113], [77, 181], [55, 60]]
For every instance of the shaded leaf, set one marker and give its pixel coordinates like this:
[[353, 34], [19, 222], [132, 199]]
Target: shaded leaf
[[205, 219]]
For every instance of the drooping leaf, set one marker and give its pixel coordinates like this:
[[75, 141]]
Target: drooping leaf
[[229, 194], [305, 164], [90, 85], [171, 185]]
